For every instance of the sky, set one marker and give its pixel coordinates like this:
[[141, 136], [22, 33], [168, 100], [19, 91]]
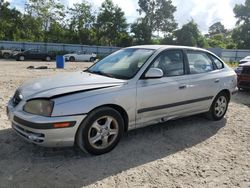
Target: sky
[[203, 12]]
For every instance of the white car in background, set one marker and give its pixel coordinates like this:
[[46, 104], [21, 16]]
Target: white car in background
[[80, 56]]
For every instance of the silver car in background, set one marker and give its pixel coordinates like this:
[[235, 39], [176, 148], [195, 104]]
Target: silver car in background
[[131, 88]]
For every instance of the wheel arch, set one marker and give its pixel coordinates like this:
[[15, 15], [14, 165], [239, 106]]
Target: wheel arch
[[227, 92], [47, 55], [22, 55], [119, 109], [210, 114], [8, 53], [92, 58]]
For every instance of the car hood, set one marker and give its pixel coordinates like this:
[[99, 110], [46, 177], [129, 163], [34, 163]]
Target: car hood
[[66, 83]]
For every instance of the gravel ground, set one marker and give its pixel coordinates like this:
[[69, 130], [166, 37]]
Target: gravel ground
[[189, 152]]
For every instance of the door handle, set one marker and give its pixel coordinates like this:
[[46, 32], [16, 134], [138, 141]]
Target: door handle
[[217, 81], [182, 86]]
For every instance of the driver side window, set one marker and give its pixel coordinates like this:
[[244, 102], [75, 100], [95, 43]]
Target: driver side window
[[170, 62]]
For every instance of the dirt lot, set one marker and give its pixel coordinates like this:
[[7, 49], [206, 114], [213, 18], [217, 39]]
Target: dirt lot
[[190, 152]]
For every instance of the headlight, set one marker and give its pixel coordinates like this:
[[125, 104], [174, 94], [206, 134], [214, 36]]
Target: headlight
[[41, 107]]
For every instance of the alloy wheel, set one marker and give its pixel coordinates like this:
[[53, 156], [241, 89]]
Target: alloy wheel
[[220, 106], [103, 132]]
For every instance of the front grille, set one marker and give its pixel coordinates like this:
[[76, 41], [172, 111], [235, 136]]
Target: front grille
[[16, 98], [246, 70]]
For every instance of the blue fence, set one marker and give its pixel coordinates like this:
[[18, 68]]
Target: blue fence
[[230, 55], [100, 50], [226, 54]]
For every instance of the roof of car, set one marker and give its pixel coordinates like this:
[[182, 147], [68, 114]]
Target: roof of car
[[157, 47]]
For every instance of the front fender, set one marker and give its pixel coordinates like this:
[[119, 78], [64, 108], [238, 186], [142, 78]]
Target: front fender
[[125, 98]]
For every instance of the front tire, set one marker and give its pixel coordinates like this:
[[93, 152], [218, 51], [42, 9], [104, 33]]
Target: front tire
[[72, 59], [101, 131], [92, 59], [219, 107]]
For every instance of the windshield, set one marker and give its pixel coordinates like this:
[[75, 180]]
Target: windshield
[[123, 64]]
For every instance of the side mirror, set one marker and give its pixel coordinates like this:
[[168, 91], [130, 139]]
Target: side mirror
[[154, 73]]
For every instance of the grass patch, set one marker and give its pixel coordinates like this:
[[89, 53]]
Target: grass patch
[[232, 64]]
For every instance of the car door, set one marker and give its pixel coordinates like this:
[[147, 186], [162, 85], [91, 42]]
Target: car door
[[162, 98], [203, 80], [78, 56], [32, 54], [85, 57], [82, 56], [42, 54]]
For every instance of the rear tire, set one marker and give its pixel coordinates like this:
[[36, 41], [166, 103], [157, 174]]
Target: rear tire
[[101, 131], [48, 58], [219, 107], [21, 58], [72, 59], [92, 59], [6, 55]]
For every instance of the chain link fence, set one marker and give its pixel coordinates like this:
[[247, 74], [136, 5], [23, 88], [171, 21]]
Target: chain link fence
[[232, 55]]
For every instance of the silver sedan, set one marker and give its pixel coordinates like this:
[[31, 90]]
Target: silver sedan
[[131, 88]]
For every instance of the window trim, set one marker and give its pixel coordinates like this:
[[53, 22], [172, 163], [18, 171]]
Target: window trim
[[142, 77], [211, 56]]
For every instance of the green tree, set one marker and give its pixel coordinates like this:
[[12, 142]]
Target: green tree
[[124, 40], [241, 34], [219, 37], [81, 21], [48, 12], [217, 28], [217, 41], [10, 21], [189, 35], [111, 24], [141, 32], [31, 29], [56, 33], [159, 15]]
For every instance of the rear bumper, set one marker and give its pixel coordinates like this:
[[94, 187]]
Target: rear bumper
[[39, 130]]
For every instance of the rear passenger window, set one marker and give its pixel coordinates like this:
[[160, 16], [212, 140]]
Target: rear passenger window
[[217, 62], [199, 62], [170, 62]]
